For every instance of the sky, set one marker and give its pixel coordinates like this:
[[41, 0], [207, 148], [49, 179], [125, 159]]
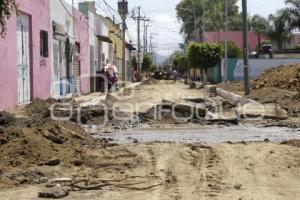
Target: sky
[[164, 25]]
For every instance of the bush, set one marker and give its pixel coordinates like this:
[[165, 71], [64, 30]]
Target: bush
[[233, 50], [204, 55]]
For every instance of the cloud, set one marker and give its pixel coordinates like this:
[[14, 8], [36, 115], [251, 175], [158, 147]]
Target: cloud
[[163, 19]]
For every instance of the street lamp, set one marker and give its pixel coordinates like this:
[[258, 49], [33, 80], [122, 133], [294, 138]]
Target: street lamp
[[123, 12]]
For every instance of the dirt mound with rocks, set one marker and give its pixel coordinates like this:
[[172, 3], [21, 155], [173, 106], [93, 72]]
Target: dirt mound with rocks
[[33, 147], [283, 77]]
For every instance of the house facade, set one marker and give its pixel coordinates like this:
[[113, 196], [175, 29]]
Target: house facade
[[25, 56], [52, 50]]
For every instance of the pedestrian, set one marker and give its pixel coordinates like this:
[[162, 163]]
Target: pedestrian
[[175, 75]]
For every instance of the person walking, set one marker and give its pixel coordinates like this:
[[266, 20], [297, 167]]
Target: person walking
[[175, 75]]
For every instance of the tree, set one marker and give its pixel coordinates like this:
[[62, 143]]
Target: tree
[[146, 63], [259, 25], [183, 63], [279, 29], [7, 8], [180, 63], [214, 18], [134, 63], [294, 12], [204, 56], [233, 50]]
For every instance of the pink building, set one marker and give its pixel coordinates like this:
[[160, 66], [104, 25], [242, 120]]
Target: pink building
[[28, 56], [236, 37], [82, 44], [25, 64]]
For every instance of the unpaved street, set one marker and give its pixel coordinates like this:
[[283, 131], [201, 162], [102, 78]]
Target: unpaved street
[[39, 150], [241, 171]]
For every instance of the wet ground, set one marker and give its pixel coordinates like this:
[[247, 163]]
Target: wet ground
[[202, 134]]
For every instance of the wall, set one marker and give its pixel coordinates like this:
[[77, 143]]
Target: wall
[[234, 36], [62, 16], [82, 37], [256, 67], [39, 11]]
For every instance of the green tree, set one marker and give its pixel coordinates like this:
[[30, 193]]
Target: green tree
[[294, 12], [259, 25], [146, 63], [134, 63], [180, 63], [7, 8], [183, 64], [233, 50], [279, 29], [213, 15], [204, 56]]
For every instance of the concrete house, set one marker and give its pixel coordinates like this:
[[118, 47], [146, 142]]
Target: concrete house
[[115, 34], [70, 55], [25, 55], [104, 43], [128, 53], [88, 8]]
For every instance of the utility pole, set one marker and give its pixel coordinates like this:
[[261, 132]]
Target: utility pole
[[226, 44], [123, 11], [245, 50], [146, 35], [139, 60], [139, 51]]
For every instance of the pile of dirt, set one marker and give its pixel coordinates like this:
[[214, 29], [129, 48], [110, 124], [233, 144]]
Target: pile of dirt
[[6, 119], [36, 147], [295, 143], [38, 106], [283, 77], [285, 98]]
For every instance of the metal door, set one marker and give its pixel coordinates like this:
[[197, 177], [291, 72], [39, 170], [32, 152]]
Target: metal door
[[23, 59]]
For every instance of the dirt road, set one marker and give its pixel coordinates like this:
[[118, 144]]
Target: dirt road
[[241, 171], [155, 170]]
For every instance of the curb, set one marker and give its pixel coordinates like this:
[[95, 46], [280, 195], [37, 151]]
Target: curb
[[233, 98]]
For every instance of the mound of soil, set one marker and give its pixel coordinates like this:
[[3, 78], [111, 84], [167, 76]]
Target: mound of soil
[[295, 143], [6, 119], [36, 147], [283, 77], [38, 106]]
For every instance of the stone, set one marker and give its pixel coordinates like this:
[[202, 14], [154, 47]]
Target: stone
[[53, 162], [267, 111], [78, 163], [226, 116], [52, 137], [212, 91], [3, 140], [193, 85], [2, 129], [53, 193], [186, 108]]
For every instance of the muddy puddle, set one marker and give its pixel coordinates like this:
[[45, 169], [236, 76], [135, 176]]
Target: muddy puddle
[[203, 134]]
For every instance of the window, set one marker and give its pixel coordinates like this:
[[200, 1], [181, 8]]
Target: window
[[44, 44]]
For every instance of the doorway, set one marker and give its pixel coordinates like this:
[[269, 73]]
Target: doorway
[[23, 58]]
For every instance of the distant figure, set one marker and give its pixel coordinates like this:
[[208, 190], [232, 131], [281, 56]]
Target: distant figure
[[111, 72], [175, 75]]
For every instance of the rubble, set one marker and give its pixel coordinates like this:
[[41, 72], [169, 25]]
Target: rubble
[[6, 119], [267, 111], [53, 193]]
